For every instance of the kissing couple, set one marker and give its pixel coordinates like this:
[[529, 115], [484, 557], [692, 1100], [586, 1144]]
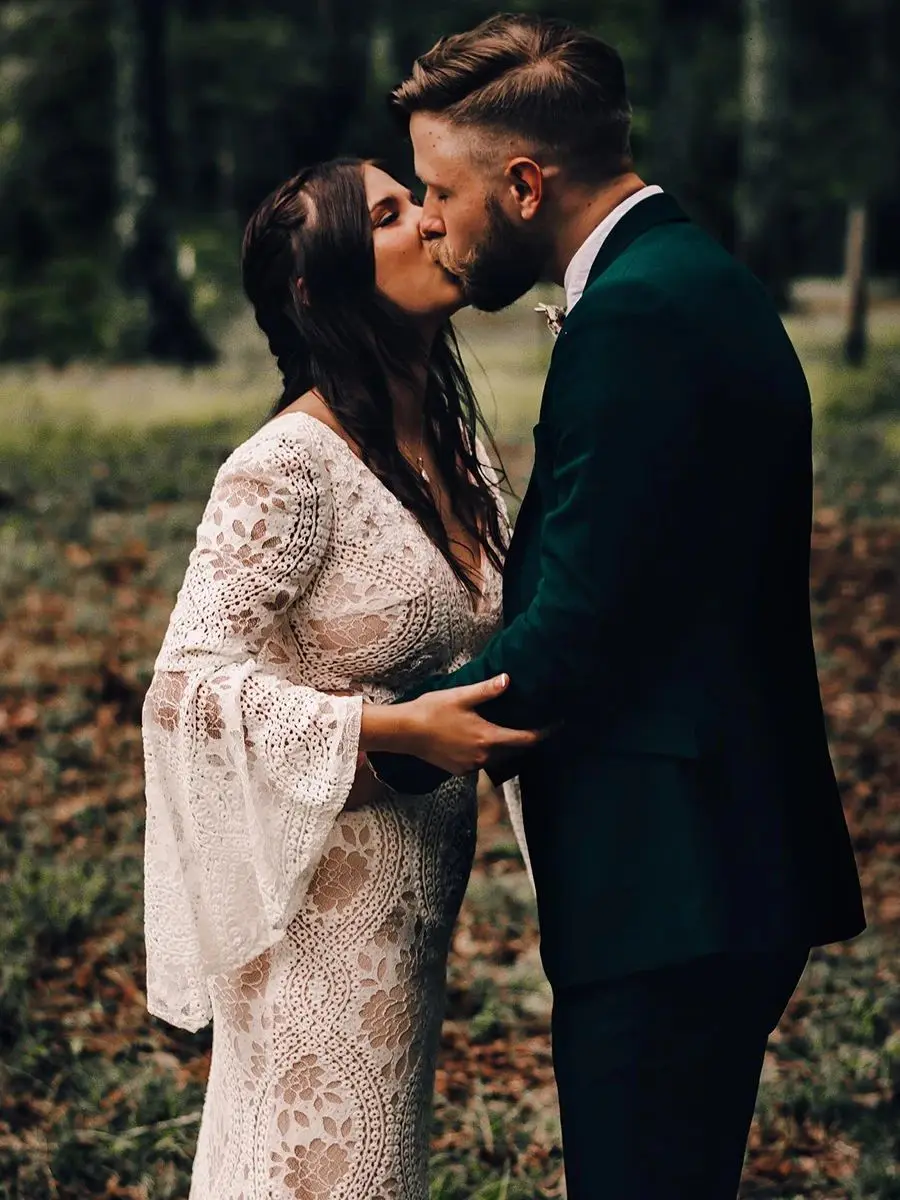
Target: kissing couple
[[358, 633]]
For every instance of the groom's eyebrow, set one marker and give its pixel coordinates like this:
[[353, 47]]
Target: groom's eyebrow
[[434, 185]]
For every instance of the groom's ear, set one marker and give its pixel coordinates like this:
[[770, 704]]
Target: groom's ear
[[526, 185]]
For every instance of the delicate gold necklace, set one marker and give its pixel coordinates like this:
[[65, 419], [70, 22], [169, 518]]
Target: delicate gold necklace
[[420, 465], [419, 458]]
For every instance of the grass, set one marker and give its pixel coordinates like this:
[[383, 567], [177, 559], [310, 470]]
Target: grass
[[102, 475], [507, 354], [857, 411]]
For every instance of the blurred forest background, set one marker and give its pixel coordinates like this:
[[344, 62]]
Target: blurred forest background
[[136, 136]]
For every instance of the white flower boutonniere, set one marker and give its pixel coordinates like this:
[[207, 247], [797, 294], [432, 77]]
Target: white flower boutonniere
[[555, 315]]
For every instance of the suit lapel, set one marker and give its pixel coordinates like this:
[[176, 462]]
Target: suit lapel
[[659, 209]]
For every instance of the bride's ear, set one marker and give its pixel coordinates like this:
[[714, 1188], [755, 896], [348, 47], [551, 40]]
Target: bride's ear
[[301, 296]]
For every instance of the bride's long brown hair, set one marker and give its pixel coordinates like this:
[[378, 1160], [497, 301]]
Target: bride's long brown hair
[[347, 341]]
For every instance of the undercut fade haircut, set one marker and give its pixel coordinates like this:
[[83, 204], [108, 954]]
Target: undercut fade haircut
[[560, 89]]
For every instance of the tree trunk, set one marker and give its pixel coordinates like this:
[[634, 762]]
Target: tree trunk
[[345, 27], [762, 194], [163, 325], [856, 276], [210, 167], [675, 97]]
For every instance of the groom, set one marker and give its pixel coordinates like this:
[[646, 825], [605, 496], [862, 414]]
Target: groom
[[684, 825]]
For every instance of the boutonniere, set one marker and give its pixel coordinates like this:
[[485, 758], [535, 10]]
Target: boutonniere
[[555, 315]]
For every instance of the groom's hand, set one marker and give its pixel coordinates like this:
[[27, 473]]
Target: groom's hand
[[448, 733]]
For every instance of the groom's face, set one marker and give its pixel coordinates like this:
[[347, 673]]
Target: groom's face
[[471, 218]]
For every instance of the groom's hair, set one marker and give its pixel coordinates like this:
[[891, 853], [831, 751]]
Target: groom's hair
[[557, 87]]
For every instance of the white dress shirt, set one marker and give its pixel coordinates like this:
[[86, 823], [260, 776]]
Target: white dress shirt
[[579, 268]]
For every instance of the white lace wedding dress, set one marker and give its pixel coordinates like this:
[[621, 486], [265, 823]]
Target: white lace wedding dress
[[316, 940]]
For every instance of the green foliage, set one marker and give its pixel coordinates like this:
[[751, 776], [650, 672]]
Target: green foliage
[[249, 95], [858, 434], [55, 185], [68, 473], [850, 1034], [48, 907]]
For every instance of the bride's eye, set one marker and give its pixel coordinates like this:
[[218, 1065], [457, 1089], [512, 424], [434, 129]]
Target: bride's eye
[[387, 219]]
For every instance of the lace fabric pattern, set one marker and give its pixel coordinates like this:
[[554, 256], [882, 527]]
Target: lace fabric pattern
[[315, 939]]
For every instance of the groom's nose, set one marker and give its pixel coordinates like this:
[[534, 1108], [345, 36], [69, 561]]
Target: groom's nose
[[430, 224]]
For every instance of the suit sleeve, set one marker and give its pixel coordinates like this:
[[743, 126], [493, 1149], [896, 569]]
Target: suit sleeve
[[624, 419]]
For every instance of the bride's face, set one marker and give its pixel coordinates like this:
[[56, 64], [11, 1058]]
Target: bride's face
[[405, 273]]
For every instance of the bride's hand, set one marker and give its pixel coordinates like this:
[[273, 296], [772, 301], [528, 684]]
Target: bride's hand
[[447, 732]]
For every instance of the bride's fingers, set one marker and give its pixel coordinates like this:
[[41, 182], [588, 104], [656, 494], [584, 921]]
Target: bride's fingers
[[473, 694]]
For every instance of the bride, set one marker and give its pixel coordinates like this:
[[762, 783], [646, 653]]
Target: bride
[[350, 547]]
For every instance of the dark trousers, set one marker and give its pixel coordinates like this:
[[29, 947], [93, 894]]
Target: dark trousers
[[658, 1073]]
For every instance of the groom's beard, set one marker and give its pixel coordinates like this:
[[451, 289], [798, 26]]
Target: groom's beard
[[501, 268]]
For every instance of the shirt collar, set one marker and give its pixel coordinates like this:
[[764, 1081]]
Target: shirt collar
[[579, 268]]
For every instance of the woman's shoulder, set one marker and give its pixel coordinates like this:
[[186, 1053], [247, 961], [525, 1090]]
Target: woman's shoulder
[[311, 404], [292, 445]]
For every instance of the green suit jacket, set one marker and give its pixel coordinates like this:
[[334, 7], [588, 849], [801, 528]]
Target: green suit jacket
[[656, 601]]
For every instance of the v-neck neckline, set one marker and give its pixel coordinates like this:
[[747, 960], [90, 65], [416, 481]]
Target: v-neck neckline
[[476, 608]]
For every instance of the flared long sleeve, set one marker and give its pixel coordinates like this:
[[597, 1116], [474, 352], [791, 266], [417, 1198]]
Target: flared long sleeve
[[246, 768]]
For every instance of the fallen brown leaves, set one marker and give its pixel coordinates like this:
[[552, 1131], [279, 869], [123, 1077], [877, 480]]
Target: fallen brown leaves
[[75, 661], [856, 591]]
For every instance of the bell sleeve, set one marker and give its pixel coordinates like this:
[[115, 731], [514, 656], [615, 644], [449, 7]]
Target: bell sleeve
[[246, 768]]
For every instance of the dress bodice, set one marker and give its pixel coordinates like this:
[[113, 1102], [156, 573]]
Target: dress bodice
[[383, 607]]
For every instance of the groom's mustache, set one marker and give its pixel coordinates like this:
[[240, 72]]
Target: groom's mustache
[[443, 258], [439, 254]]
